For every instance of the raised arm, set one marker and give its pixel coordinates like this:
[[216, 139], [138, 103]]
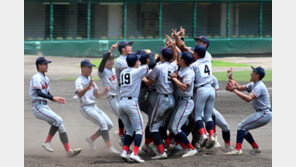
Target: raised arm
[[105, 59]]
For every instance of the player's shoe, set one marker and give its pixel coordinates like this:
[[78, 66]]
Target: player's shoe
[[203, 141], [113, 150], [235, 152], [121, 140], [153, 148], [136, 158], [256, 151], [73, 152], [211, 142], [160, 156], [91, 143], [47, 147], [190, 153], [125, 156], [228, 147], [182, 152], [217, 144]]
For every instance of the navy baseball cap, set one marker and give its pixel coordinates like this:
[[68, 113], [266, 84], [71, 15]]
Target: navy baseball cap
[[200, 50], [167, 53], [86, 63], [105, 54], [142, 56], [259, 70], [204, 39], [41, 60], [122, 44], [131, 59], [187, 57]]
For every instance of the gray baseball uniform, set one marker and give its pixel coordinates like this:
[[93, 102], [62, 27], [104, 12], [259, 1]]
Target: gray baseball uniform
[[185, 102], [87, 104], [205, 93], [109, 79], [120, 65], [39, 104], [165, 99], [262, 106], [130, 84]]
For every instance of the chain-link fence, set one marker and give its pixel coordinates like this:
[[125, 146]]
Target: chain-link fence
[[82, 19]]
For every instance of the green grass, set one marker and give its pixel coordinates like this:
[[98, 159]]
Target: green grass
[[219, 63], [242, 76], [98, 61]]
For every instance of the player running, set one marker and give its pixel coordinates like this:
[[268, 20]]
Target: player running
[[39, 94], [87, 92], [260, 99]]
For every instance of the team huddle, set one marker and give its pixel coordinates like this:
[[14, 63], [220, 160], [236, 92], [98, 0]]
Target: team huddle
[[175, 88]]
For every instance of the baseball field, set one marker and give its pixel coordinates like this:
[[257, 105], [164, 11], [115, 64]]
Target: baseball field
[[63, 71]]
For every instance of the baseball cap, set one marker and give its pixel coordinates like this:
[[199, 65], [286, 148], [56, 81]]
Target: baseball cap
[[259, 70], [167, 53], [122, 44], [105, 54], [200, 50], [131, 59], [86, 63], [142, 56], [41, 60], [203, 38], [187, 57]]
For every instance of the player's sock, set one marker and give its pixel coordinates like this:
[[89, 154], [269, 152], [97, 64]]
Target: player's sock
[[53, 129], [127, 142], [251, 140], [96, 135], [239, 139], [64, 140], [200, 127], [210, 128], [137, 143], [226, 136], [148, 136], [163, 132], [167, 142], [214, 122], [106, 138], [121, 127], [183, 139], [157, 139]]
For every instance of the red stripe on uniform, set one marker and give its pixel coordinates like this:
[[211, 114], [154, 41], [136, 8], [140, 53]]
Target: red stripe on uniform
[[139, 116], [152, 121], [45, 114], [182, 116], [253, 121], [195, 103]]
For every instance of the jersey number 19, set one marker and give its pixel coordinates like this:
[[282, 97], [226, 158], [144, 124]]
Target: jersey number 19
[[125, 79]]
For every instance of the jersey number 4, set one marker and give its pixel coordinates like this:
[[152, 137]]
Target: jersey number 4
[[207, 70], [125, 79]]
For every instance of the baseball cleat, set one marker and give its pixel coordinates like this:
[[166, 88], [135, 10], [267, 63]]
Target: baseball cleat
[[190, 153], [47, 147], [234, 152], [160, 156], [228, 147], [256, 151], [210, 143], [124, 155], [113, 150], [182, 152], [153, 148], [203, 141], [121, 140], [91, 143], [217, 144], [73, 152], [136, 158]]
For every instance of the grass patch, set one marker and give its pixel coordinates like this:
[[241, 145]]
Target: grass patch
[[242, 76], [219, 63], [98, 61]]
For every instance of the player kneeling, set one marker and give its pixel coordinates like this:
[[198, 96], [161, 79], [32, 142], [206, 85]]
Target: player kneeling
[[87, 91], [185, 83], [130, 84]]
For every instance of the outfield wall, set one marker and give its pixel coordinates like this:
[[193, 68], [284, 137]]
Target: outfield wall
[[95, 48]]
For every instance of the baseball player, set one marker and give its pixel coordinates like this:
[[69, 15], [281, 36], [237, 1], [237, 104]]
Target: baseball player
[[205, 96], [203, 40], [260, 99], [165, 99], [39, 94], [108, 78], [87, 92], [184, 81], [130, 84]]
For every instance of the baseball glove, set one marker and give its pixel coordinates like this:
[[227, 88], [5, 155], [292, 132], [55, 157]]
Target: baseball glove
[[230, 86]]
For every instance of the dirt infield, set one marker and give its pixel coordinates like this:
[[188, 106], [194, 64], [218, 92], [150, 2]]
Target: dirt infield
[[233, 109]]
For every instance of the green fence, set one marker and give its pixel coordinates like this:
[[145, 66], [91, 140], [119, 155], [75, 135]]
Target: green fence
[[89, 27]]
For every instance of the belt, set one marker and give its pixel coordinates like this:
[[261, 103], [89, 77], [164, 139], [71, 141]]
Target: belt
[[264, 109], [129, 98], [184, 98], [40, 102], [112, 96], [165, 95], [153, 90]]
